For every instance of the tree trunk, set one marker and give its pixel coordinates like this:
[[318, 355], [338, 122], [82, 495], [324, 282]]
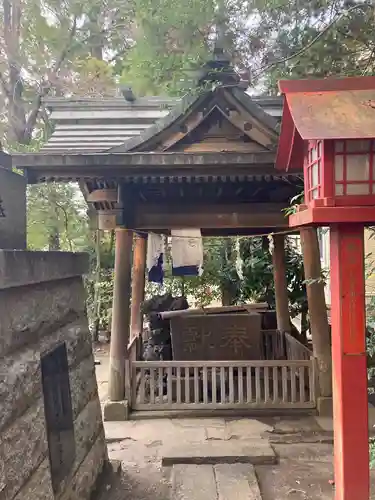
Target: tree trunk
[[13, 88], [319, 326], [280, 282], [227, 298]]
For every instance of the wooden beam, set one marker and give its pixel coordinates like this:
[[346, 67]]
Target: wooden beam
[[76, 173], [139, 160], [210, 216], [101, 195], [170, 216]]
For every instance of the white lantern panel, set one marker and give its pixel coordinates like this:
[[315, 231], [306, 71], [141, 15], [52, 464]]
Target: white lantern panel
[[339, 167], [339, 189], [315, 175], [314, 155], [319, 149], [314, 194], [339, 146], [357, 189], [357, 168], [356, 146]]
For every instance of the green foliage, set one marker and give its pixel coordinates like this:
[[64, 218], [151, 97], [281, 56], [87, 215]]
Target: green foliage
[[170, 39], [258, 284], [319, 38], [57, 218], [103, 309]]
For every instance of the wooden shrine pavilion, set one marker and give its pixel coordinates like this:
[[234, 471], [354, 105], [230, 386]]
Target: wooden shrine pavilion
[[206, 161]]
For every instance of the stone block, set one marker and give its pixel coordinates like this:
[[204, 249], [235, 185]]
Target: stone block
[[22, 268], [20, 373], [237, 482], [324, 406], [254, 451], [116, 411], [85, 480], [23, 447], [87, 427], [83, 385], [39, 486], [193, 482], [29, 313]]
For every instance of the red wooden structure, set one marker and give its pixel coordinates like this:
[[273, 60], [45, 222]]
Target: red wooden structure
[[328, 127]]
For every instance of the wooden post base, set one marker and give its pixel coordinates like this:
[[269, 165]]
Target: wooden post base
[[350, 399]]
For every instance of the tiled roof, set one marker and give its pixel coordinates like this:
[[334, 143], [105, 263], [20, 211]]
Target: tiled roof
[[97, 125]]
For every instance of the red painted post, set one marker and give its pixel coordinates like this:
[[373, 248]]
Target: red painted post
[[350, 403]]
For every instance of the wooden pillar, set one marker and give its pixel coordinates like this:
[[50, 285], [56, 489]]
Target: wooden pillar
[[138, 283], [319, 326], [350, 403], [281, 286], [120, 314]]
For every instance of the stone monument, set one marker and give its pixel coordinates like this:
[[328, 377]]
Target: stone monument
[[52, 444], [216, 337]]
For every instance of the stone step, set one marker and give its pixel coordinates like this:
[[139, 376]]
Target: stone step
[[214, 482], [250, 451]]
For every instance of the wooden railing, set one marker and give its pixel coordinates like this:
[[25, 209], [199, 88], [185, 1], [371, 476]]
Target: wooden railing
[[278, 346], [135, 348], [295, 350], [177, 385]]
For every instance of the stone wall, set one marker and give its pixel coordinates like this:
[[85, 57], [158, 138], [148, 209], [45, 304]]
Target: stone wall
[[42, 306], [12, 210]]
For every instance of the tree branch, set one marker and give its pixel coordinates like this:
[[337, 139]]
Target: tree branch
[[313, 41], [4, 85], [33, 116]]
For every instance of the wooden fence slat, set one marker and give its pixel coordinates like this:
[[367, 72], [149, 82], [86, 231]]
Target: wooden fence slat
[[160, 384], [302, 384], [284, 375], [275, 384], [169, 384], [240, 386], [266, 384], [142, 386], [178, 384], [205, 385], [222, 384], [258, 394], [231, 385], [187, 385], [293, 383], [196, 385], [249, 389], [152, 386], [213, 384]]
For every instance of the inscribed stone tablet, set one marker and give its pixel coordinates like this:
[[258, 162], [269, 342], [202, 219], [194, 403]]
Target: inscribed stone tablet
[[216, 337]]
